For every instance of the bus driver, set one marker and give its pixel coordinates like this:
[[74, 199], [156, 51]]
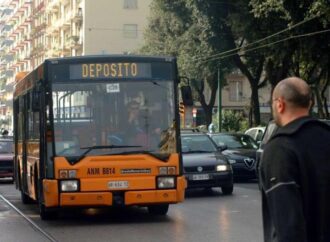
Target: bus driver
[[134, 128]]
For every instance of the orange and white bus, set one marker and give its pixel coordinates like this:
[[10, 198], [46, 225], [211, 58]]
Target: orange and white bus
[[75, 146]]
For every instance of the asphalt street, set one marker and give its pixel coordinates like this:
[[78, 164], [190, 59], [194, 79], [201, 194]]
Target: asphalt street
[[204, 216]]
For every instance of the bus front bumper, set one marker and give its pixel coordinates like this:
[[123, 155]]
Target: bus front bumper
[[54, 198]]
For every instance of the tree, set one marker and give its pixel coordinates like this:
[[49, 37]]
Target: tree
[[183, 28], [204, 33], [196, 31], [305, 51]]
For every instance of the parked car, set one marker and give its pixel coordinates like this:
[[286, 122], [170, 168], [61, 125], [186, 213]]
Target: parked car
[[327, 121], [203, 164], [256, 133], [6, 157], [270, 130], [241, 153]]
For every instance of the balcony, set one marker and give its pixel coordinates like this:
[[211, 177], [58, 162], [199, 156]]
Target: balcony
[[37, 50], [64, 2], [27, 38], [40, 7], [53, 7], [55, 49], [75, 42], [77, 16], [66, 52]]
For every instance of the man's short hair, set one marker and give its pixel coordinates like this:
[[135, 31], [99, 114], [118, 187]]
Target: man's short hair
[[299, 97]]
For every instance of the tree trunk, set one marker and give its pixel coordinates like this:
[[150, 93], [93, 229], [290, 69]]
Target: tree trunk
[[208, 115], [323, 97], [319, 103], [255, 106], [208, 108]]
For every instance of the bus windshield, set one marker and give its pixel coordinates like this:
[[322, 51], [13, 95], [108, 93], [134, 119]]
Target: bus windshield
[[130, 115]]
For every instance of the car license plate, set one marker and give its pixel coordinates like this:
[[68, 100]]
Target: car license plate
[[198, 177], [117, 184]]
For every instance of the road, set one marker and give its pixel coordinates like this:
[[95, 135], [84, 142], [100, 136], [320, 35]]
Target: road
[[204, 216]]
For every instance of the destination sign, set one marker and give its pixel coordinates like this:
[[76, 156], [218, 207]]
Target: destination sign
[[110, 70]]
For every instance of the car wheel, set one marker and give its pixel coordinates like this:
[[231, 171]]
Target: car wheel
[[227, 190], [161, 209]]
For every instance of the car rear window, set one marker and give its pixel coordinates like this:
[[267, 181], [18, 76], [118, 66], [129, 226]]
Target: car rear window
[[6, 147], [192, 143]]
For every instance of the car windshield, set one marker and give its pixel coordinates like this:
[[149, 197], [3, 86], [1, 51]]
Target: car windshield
[[197, 143], [6, 146], [235, 141], [102, 114]]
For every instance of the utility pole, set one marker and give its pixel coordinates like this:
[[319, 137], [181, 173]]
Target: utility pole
[[219, 100]]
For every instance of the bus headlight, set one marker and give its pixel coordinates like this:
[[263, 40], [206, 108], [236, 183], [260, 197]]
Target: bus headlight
[[222, 168], [165, 182], [69, 186]]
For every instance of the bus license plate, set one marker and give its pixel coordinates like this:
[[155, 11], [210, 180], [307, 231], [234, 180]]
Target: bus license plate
[[117, 184], [198, 177]]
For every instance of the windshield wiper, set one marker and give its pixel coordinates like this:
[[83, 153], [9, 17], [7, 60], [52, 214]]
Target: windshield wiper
[[198, 151], [96, 147], [160, 156]]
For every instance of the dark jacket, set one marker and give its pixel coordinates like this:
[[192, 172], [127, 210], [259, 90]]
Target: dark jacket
[[295, 180]]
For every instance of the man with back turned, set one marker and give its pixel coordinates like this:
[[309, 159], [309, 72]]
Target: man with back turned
[[295, 169]]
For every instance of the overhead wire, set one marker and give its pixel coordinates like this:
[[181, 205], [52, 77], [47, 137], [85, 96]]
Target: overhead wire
[[268, 44], [260, 40]]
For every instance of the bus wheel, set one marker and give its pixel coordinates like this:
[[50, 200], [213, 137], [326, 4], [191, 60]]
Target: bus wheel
[[25, 198], [161, 209], [46, 214]]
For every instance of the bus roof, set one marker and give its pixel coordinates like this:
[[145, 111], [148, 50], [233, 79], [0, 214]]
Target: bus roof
[[113, 57], [25, 80]]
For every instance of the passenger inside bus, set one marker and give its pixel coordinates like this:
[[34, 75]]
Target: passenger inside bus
[[135, 130]]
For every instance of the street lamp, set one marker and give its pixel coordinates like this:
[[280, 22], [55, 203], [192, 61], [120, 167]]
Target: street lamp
[[219, 100]]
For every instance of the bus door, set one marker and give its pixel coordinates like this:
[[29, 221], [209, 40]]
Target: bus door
[[21, 136]]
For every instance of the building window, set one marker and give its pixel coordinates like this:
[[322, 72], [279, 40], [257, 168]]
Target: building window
[[235, 91], [130, 31], [130, 4]]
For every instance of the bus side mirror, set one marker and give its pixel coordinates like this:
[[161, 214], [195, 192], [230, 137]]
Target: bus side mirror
[[186, 95], [35, 100]]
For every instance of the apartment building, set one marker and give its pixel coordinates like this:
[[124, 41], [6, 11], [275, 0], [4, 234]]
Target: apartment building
[[236, 95], [34, 30]]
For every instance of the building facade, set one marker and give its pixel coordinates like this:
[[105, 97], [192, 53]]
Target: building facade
[[34, 30]]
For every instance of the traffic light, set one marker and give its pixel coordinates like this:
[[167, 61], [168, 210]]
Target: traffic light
[[181, 108], [186, 95]]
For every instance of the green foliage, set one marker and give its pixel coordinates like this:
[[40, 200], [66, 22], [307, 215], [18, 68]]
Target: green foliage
[[232, 121], [191, 30], [305, 51], [196, 31]]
